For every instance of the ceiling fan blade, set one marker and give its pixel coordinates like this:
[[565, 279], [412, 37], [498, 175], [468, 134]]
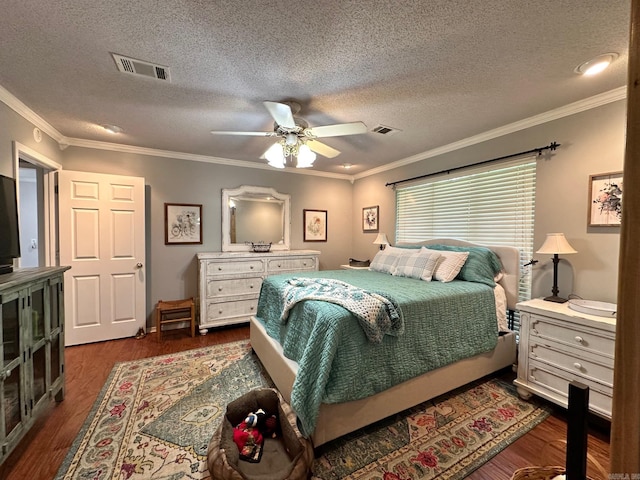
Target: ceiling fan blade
[[253, 134], [337, 130], [281, 113], [322, 149]]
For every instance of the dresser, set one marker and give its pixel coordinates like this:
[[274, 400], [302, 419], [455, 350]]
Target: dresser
[[31, 349], [229, 282], [559, 345]]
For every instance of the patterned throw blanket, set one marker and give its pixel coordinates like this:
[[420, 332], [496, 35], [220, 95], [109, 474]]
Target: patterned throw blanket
[[377, 315]]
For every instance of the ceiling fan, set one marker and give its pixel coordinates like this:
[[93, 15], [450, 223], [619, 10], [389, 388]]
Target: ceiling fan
[[296, 138]]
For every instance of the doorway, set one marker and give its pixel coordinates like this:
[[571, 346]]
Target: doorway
[[34, 174]]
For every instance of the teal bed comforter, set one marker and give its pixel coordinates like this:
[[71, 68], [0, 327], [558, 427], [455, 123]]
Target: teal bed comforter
[[443, 323]]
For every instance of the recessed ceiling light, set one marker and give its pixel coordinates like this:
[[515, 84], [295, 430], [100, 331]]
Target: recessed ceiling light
[[112, 128], [346, 166], [596, 65]]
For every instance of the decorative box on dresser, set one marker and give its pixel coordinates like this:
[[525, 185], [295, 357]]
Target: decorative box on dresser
[[31, 348], [229, 282], [559, 345]]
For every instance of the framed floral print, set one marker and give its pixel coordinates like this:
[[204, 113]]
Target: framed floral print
[[605, 200], [182, 223], [315, 225], [370, 219]]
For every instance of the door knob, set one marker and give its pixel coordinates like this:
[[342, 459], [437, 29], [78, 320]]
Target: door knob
[[139, 265]]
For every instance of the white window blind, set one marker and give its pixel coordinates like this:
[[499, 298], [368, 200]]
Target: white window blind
[[490, 206]]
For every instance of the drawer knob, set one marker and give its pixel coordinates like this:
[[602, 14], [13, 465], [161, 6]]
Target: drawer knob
[[579, 339], [251, 286], [219, 289], [219, 268], [220, 312], [278, 265], [578, 365], [251, 267], [304, 264], [251, 308]]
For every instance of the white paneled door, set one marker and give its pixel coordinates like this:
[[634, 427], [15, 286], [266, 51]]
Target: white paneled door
[[102, 228]]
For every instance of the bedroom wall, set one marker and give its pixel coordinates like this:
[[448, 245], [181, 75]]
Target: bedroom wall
[[592, 143], [172, 269]]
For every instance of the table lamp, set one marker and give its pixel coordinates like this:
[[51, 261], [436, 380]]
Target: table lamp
[[381, 240], [556, 244]]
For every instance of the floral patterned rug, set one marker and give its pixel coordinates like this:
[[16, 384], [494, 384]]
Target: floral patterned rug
[[154, 418]]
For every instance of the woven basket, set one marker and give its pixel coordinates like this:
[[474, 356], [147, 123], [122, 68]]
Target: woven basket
[[261, 247], [538, 473], [549, 472]]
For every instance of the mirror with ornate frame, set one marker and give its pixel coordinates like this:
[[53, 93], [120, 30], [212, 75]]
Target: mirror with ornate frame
[[255, 214]]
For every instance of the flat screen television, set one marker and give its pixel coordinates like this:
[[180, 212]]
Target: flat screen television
[[9, 228]]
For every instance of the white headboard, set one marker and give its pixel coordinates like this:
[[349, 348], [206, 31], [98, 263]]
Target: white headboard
[[509, 256]]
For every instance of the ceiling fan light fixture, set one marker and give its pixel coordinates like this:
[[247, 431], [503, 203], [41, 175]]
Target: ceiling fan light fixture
[[596, 64], [305, 157], [291, 139], [275, 155]]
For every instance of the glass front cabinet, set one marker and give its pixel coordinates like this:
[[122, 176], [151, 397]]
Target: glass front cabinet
[[32, 348]]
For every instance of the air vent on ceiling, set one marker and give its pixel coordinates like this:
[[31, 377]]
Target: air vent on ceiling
[[140, 67], [384, 130]]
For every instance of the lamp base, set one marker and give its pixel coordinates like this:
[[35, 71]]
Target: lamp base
[[555, 299]]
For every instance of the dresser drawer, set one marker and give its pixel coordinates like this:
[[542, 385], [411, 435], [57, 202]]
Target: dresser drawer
[[234, 267], [598, 369], [222, 310], [220, 288], [542, 327], [285, 264], [554, 384]]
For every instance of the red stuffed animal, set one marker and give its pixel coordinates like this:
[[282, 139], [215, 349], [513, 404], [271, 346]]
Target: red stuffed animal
[[248, 437]]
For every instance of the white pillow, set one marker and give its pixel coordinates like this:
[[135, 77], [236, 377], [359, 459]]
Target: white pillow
[[385, 260], [417, 264], [449, 264]]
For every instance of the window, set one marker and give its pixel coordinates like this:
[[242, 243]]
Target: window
[[489, 206]]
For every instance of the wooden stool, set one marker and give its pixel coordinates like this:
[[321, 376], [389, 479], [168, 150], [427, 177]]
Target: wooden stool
[[174, 311]]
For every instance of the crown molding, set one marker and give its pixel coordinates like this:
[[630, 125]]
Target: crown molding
[[576, 107], [570, 109], [118, 147], [21, 109]]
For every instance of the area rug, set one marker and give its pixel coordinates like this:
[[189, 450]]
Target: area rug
[[154, 418]]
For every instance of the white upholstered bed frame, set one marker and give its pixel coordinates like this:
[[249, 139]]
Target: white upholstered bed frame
[[335, 420]]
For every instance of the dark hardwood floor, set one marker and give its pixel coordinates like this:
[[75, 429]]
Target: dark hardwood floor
[[41, 452]]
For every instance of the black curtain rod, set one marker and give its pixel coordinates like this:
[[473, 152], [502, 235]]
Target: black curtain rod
[[552, 146]]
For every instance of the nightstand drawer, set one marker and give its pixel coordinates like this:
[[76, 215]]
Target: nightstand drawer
[[235, 267], [567, 333], [594, 369], [554, 384], [220, 288]]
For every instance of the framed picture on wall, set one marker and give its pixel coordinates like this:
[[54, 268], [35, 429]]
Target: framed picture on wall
[[605, 200], [370, 219], [315, 225], [182, 223]]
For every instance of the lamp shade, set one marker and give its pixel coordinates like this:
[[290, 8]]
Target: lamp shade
[[381, 239], [556, 244]]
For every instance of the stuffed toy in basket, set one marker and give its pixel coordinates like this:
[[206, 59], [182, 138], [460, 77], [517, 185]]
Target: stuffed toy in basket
[[248, 445]]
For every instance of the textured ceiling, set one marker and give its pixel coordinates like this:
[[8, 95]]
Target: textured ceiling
[[438, 70]]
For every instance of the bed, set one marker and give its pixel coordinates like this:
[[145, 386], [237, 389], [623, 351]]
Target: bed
[[332, 415]]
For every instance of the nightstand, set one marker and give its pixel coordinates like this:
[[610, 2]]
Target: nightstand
[[349, 267], [559, 345]]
